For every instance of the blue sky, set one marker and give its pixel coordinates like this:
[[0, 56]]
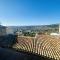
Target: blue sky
[[29, 12]]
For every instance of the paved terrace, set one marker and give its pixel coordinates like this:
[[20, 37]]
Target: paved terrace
[[43, 45]]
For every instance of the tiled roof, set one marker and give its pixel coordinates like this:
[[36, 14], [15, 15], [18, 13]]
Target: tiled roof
[[45, 45]]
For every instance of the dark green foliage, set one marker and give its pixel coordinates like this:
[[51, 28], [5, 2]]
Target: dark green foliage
[[32, 34]]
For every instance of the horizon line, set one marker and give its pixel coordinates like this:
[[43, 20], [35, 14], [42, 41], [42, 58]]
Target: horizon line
[[32, 25]]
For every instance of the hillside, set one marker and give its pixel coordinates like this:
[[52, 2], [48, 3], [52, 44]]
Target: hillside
[[36, 28]]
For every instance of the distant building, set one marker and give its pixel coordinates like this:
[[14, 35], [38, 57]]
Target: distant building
[[2, 30], [59, 28], [55, 32], [18, 33]]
